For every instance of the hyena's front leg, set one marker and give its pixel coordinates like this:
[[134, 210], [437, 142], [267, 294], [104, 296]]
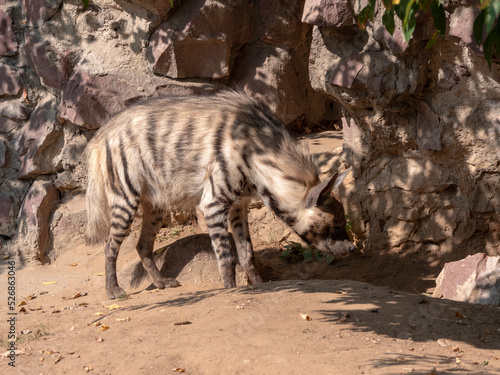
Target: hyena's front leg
[[238, 218], [216, 217], [152, 220]]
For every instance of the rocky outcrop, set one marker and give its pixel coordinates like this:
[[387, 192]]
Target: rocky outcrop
[[475, 279], [420, 126]]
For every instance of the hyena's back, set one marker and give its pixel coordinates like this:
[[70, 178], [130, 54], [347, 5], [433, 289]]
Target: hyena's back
[[164, 150]]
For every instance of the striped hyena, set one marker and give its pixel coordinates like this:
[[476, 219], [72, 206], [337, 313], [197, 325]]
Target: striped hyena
[[214, 152]]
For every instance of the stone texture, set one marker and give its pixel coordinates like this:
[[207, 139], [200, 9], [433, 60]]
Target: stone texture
[[35, 216], [52, 65], [276, 75], [89, 100], [281, 24], [345, 73], [8, 42], [9, 82], [159, 7], [199, 38], [329, 13], [13, 192], [12, 112], [40, 140], [428, 128], [475, 279], [39, 11], [461, 26]]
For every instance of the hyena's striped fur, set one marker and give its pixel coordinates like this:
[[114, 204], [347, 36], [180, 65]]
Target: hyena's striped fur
[[214, 152]]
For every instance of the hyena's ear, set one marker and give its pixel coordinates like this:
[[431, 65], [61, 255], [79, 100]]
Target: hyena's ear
[[325, 188]]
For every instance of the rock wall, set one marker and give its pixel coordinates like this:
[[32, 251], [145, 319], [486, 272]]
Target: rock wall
[[421, 127]]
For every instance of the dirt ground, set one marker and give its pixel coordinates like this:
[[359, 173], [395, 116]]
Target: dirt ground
[[362, 314]]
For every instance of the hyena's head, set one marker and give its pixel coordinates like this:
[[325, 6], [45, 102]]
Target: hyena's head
[[323, 222]]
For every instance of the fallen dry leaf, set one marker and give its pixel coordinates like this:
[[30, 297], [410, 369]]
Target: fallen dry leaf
[[8, 353], [35, 308], [59, 357], [76, 295], [49, 282], [21, 303], [99, 339], [88, 368], [126, 319], [26, 331], [29, 297], [104, 327], [100, 274], [178, 369], [182, 323], [95, 324], [459, 315], [5, 257], [114, 306], [458, 361], [72, 328], [305, 317], [56, 311], [400, 359], [344, 318], [22, 309], [99, 313], [73, 264], [83, 304]]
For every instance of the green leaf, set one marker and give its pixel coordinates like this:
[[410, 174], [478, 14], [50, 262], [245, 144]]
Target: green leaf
[[491, 15], [285, 254], [364, 16], [388, 21], [329, 258], [437, 11], [172, 3], [85, 4], [308, 255], [488, 48], [478, 27], [432, 41]]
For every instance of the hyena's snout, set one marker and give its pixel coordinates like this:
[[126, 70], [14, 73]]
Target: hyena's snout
[[339, 247]]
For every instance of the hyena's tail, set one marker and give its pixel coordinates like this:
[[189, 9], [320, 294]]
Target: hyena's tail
[[98, 216]]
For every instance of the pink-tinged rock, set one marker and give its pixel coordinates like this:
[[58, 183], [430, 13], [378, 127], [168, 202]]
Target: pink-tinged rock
[[475, 279], [461, 26], [281, 24], [9, 84], [330, 13], [3, 151], [34, 217], [13, 192], [89, 100], [278, 77], [449, 75], [39, 11], [158, 7], [8, 42], [52, 65], [41, 139], [428, 127], [12, 112], [199, 38], [396, 42], [345, 74]]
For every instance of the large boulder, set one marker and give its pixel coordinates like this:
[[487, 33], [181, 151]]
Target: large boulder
[[8, 42], [40, 140], [475, 279], [33, 237], [199, 38]]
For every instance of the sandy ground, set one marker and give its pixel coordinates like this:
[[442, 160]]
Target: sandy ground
[[310, 319]]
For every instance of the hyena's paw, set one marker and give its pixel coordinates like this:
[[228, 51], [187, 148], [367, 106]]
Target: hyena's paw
[[167, 283], [115, 292]]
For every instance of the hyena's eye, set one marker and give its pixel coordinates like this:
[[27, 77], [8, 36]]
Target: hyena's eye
[[336, 230]]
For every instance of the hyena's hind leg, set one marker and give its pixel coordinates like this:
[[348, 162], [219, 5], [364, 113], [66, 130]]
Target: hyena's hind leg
[[121, 220], [215, 212], [152, 220], [238, 219]]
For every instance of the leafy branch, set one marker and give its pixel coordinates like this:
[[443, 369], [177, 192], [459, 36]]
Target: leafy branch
[[486, 26]]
